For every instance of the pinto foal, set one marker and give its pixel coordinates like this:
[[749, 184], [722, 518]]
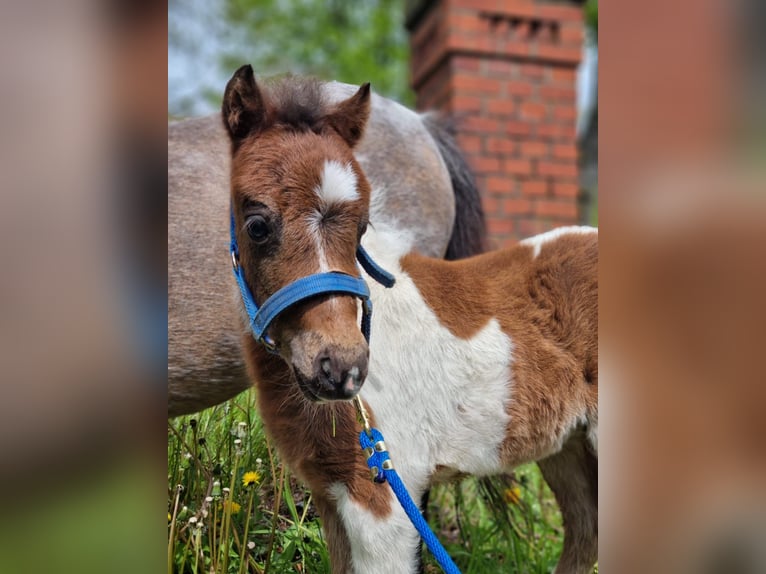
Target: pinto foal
[[475, 366]]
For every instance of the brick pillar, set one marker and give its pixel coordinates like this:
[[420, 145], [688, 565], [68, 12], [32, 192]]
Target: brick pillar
[[506, 70]]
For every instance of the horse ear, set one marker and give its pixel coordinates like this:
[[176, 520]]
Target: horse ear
[[349, 117], [243, 108]]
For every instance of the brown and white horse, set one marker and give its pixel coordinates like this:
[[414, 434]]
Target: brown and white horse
[[474, 366]]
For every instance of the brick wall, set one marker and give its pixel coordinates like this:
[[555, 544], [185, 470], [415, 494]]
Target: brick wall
[[506, 70]]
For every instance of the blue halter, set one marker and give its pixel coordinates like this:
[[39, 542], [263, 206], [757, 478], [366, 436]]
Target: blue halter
[[333, 282]]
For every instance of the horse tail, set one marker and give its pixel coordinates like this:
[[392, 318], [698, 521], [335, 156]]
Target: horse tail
[[469, 232]]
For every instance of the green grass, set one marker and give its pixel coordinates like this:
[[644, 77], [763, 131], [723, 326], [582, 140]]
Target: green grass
[[217, 524]]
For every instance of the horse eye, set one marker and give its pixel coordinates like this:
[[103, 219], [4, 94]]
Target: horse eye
[[258, 228]]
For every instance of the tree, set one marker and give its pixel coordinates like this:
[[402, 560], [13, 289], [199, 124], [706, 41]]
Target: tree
[[353, 42]]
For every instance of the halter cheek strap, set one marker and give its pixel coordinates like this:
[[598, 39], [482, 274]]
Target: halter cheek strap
[[333, 282]]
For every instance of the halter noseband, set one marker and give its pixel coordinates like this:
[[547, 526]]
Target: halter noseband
[[332, 282]]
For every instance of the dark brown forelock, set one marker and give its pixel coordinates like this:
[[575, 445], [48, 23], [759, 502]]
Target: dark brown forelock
[[298, 103]]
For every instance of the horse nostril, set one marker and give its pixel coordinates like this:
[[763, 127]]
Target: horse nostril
[[326, 367], [351, 384]]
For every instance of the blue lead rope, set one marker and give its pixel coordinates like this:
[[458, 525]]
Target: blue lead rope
[[380, 463]]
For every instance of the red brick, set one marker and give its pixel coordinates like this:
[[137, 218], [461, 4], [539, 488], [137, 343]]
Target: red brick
[[530, 227], [532, 71], [559, 209], [534, 149], [533, 111], [502, 68], [469, 143], [557, 93], [563, 75], [500, 145], [564, 151], [557, 170], [473, 84], [559, 12], [481, 124], [558, 132], [567, 54], [499, 184], [565, 113], [561, 189], [466, 104], [571, 34], [496, 226], [518, 89], [517, 206], [534, 188], [467, 22], [465, 63], [517, 166], [504, 107], [518, 128], [490, 204], [485, 164]]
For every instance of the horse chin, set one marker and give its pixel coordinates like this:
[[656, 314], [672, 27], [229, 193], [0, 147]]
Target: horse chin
[[314, 391]]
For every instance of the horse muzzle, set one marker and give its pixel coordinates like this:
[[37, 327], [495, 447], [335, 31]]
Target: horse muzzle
[[336, 374]]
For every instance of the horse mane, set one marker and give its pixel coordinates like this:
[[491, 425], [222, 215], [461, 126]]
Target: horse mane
[[297, 103]]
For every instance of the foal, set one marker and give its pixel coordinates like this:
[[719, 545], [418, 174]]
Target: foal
[[475, 366]]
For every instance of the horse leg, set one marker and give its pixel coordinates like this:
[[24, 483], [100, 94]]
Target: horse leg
[[572, 475], [335, 535], [376, 543]]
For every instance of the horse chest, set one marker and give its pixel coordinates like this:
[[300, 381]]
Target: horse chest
[[438, 399]]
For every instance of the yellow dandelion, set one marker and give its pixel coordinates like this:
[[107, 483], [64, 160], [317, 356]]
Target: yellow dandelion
[[512, 495], [230, 504], [250, 478]]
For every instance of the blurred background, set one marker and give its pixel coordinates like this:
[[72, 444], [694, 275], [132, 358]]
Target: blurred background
[[681, 143]]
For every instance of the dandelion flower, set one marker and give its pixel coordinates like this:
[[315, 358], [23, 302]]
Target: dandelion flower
[[512, 495], [250, 478], [231, 505]]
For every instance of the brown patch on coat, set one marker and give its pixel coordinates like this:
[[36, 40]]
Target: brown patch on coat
[[303, 433], [548, 306], [338, 543]]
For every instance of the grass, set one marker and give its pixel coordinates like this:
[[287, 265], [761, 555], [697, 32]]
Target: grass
[[219, 524]]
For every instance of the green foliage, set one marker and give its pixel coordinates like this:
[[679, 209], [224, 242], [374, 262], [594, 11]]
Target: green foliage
[[217, 524], [591, 14], [352, 42]]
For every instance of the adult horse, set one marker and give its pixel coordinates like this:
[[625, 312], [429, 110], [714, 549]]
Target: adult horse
[[420, 185]]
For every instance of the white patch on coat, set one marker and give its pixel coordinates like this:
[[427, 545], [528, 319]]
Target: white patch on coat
[[440, 400], [537, 241], [314, 223], [338, 183], [377, 544]]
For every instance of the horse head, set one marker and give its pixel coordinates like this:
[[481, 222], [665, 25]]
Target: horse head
[[300, 205]]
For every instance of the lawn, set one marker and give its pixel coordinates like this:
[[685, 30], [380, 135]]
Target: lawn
[[225, 480]]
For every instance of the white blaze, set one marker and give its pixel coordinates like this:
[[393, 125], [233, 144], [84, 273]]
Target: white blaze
[[338, 183]]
